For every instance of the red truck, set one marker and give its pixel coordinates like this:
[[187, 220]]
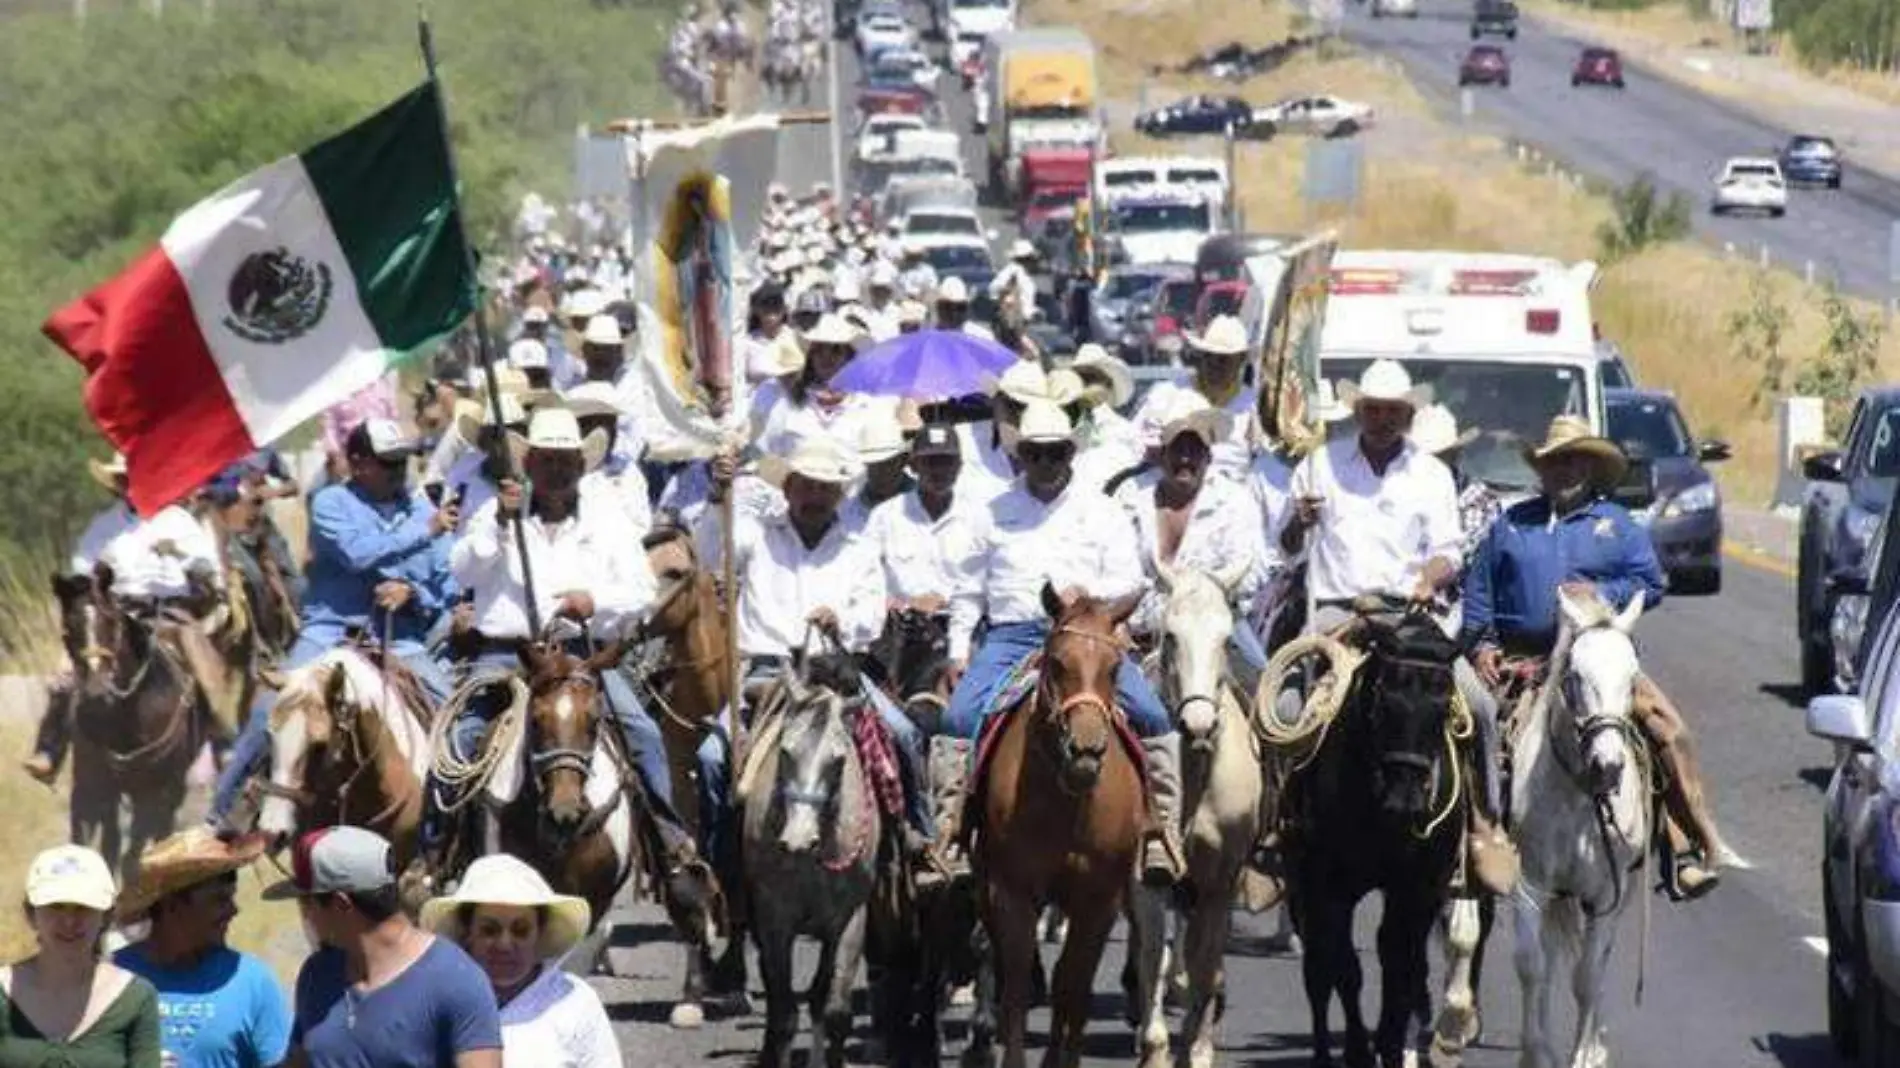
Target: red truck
[[1054, 178]]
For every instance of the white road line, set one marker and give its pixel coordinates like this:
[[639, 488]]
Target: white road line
[[1819, 945]]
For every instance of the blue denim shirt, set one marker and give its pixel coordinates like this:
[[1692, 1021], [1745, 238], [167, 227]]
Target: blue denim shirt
[[355, 544], [1510, 592]]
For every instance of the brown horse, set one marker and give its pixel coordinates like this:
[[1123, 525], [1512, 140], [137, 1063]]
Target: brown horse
[[346, 747], [137, 721], [1061, 817]]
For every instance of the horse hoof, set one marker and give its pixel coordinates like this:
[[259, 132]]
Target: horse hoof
[[687, 1016], [962, 997]]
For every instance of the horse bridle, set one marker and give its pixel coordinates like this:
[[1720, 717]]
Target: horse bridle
[[1587, 729], [546, 762], [1062, 708]]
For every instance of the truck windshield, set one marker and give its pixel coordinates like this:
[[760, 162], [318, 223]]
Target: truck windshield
[[1160, 218], [1510, 404]]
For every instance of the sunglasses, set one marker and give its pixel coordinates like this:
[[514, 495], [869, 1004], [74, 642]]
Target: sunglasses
[[1032, 452]]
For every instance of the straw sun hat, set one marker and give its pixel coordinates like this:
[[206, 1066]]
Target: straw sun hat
[[558, 430], [818, 457], [1388, 381], [500, 879], [1570, 435], [183, 861]]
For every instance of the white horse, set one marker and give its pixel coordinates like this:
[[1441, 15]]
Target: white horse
[[1220, 811], [1581, 816]]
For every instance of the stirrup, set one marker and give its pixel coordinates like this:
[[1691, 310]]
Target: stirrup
[[1703, 877]]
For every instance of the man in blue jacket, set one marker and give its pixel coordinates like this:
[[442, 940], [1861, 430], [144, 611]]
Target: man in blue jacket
[[379, 565], [1572, 537]]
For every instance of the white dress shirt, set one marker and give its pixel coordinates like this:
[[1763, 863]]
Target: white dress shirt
[[596, 551], [1082, 539], [115, 522], [781, 582], [1025, 292], [1375, 533], [627, 486], [987, 470], [1231, 455], [1109, 447], [923, 556], [788, 423], [1223, 531], [467, 478], [132, 549]]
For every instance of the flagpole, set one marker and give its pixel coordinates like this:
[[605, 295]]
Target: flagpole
[[485, 344]]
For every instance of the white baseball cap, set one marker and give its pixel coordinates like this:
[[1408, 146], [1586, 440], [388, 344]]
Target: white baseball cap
[[70, 875]]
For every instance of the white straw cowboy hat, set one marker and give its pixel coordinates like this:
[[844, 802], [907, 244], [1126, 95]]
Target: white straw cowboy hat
[[818, 457], [1045, 423], [108, 472], [594, 398], [1066, 387], [500, 879], [782, 356], [557, 430], [832, 329], [528, 354], [472, 415], [603, 330], [881, 437], [1435, 431], [583, 304], [1021, 249], [1326, 404], [184, 860], [1092, 358], [1570, 435], [953, 291], [1388, 381], [1024, 382], [1186, 411], [911, 313], [1225, 336]]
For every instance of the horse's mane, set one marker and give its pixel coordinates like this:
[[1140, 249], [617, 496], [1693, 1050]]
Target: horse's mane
[[363, 688]]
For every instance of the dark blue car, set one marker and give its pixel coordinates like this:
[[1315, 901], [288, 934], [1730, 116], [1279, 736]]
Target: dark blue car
[[1683, 509], [1809, 160]]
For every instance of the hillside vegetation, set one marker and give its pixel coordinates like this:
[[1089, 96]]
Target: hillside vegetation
[[113, 126]]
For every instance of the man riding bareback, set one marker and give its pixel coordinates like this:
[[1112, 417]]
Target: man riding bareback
[[1044, 530], [1570, 535]]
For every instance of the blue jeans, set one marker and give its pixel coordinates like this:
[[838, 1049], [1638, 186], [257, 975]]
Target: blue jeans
[[716, 814], [1248, 657], [1008, 645], [249, 751]]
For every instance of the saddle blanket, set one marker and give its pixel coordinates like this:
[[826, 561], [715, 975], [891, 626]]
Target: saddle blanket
[[1011, 697]]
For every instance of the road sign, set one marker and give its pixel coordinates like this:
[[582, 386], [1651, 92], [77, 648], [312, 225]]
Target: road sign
[[1754, 14], [1333, 170]]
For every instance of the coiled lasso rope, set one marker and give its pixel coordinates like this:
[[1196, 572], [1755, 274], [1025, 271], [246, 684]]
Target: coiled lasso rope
[[1323, 702], [462, 780]]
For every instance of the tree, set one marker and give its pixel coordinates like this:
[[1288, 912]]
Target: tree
[[1642, 217]]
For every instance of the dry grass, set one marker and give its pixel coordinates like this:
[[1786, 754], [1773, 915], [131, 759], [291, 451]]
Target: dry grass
[[1432, 185], [36, 819], [29, 622]]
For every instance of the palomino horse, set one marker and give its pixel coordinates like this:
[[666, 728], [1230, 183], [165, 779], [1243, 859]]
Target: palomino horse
[[1579, 809], [1061, 811], [689, 688], [1380, 807], [812, 834], [137, 724], [1222, 784], [346, 747]]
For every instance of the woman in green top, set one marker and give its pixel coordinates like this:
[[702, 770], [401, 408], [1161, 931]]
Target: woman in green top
[[67, 1006]]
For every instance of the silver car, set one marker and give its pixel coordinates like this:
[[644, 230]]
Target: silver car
[[1111, 302]]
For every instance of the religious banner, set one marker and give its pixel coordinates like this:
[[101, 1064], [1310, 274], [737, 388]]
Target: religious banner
[[1286, 313]]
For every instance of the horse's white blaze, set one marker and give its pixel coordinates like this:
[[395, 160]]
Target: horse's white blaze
[[288, 743], [802, 831], [564, 710]]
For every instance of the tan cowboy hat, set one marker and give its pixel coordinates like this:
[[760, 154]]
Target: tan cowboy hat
[[832, 329], [1571, 434], [594, 398], [1435, 431], [108, 472], [1225, 336], [500, 879], [881, 437], [1094, 359], [472, 415], [603, 330], [818, 457], [1385, 380], [1186, 411], [1045, 423], [557, 430], [181, 862], [1023, 382], [1066, 387]]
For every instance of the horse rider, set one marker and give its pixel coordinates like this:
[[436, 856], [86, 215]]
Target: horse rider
[[1014, 287], [165, 570], [1046, 530], [884, 456], [379, 556], [1103, 457], [598, 406], [916, 277], [1217, 358], [1572, 535], [802, 570], [990, 446], [589, 571], [476, 475], [1383, 516]]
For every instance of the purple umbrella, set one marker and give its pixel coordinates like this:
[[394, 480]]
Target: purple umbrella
[[926, 365]]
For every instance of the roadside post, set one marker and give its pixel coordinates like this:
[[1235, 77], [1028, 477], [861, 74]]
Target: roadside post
[[1334, 170]]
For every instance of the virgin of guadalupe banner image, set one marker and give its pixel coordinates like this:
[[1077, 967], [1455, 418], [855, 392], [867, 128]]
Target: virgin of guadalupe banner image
[[1286, 358]]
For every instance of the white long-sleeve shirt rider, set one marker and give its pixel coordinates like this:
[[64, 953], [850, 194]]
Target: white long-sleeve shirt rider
[[1233, 453], [1375, 533], [131, 547], [923, 557], [1017, 284], [988, 470], [1082, 538], [782, 582], [596, 550], [1222, 532]]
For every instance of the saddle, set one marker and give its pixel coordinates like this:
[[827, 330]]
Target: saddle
[[402, 681], [877, 753], [1009, 701]]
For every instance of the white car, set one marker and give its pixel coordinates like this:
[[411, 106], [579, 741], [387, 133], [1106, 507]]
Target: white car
[[879, 135], [923, 70], [879, 31], [1405, 8], [941, 225], [1319, 115], [1750, 183]]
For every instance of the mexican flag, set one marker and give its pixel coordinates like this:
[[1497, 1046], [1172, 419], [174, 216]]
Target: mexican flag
[[273, 299]]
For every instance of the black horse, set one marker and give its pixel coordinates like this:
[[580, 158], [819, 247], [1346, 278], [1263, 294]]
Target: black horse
[[1379, 808]]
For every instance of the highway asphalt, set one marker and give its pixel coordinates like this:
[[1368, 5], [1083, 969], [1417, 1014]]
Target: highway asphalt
[[1732, 981], [1654, 125]]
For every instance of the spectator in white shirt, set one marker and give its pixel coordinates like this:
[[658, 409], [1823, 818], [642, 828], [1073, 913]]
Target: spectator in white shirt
[[1383, 515], [590, 572], [599, 407], [1217, 358], [801, 572], [512, 924], [476, 475], [1048, 533], [1014, 287], [811, 406]]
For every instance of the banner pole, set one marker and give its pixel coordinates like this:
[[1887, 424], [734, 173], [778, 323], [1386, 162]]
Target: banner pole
[[485, 343]]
